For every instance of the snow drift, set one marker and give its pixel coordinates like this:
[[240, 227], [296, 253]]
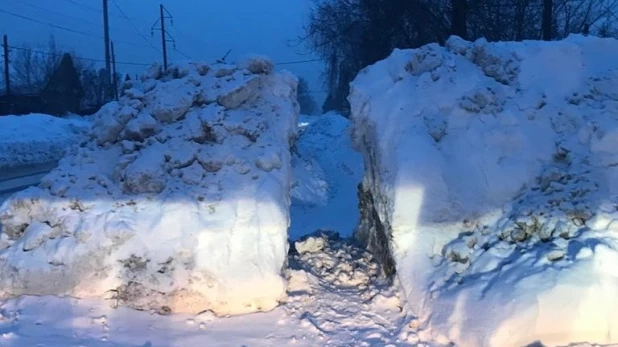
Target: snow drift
[[177, 202], [37, 138], [490, 186]]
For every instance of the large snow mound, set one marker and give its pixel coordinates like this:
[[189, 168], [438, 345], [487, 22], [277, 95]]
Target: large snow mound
[[327, 172], [490, 186], [37, 138], [178, 202]]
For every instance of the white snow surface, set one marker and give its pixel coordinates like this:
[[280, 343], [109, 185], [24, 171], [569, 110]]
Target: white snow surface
[[494, 167], [37, 138], [335, 298], [179, 202], [327, 171]]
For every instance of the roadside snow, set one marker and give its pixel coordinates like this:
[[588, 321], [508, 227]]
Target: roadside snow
[[37, 138], [491, 183], [327, 171], [177, 203]]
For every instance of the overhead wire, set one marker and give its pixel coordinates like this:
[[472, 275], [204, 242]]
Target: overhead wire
[[294, 62], [124, 15], [17, 15], [88, 7], [57, 13], [77, 57]]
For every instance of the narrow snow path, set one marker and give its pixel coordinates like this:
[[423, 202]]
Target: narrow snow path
[[336, 291]]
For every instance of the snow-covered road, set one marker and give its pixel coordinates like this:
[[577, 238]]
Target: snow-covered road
[[21, 177]]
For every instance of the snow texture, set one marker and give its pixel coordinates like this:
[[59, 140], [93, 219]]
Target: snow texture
[[37, 138], [178, 202], [327, 171], [490, 181], [335, 298]]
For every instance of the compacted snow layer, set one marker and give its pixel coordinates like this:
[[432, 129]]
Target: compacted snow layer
[[177, 202], [36, 139], [335, 298], [327, 171], [490, 187]]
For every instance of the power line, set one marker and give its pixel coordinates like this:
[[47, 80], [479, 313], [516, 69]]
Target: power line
[[135, 27], [88, 7], [58, 13], [184, 55], [46, 23], [298, 62], [77, 57], [65, 28]]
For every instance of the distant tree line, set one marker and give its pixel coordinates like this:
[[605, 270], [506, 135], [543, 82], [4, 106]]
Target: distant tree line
[[32, 68], [352, 34]]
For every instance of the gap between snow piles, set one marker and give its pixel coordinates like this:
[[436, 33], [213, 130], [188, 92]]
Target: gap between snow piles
[[177, 201]]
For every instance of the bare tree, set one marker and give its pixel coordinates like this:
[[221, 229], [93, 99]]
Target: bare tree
[[32, 67], [351, 34]]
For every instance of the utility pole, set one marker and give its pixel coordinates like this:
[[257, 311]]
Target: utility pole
[[108, 83], [163, 40], [114, 77], [547, 19], [165, 36], [7, 79]]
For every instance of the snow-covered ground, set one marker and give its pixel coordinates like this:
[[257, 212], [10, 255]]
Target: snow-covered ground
[[327, 171], [491, 175], [36, 139]]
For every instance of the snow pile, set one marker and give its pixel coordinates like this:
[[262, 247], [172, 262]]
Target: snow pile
[[327, 172], [177, 203], [490, 187], [37, 138]]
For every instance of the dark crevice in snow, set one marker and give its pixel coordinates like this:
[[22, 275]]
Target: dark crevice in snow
[[374, 234]]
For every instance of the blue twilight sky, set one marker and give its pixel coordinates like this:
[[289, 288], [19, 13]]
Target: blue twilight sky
[[203, 30]]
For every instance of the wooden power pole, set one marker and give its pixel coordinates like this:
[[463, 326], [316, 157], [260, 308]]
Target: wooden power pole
[[165, 36], [108, 84], [114, 77], [7, 79], [163, 39], [547, 19]]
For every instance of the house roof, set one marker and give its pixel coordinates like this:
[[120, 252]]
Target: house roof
[[65, 80]]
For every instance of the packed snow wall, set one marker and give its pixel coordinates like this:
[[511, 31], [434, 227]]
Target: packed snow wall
[[490, 187], [177, 202]]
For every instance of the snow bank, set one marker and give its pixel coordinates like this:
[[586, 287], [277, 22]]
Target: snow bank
[[177, 203], [490, 186], [37, 138], [327, 172]]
